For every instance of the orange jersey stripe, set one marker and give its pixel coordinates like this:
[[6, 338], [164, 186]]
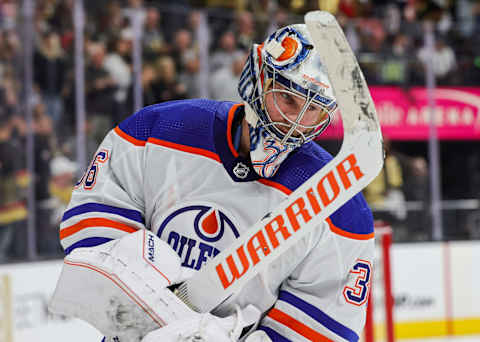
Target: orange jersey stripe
[[231, 115], [297, 326], [129, 138], [185, 148], [349, 235], [275, 185], [95, 222]]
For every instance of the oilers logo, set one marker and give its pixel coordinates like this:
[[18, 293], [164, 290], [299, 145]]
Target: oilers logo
[[287, 48], [197, 233]]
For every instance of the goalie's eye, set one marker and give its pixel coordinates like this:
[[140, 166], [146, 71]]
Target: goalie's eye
[[287, 97]]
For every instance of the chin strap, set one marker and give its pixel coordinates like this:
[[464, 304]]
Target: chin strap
[[250, 115]]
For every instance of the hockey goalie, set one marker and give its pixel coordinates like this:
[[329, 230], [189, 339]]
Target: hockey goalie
[[177, 183]]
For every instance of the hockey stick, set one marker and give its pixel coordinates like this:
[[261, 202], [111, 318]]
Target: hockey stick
[[357, 163]]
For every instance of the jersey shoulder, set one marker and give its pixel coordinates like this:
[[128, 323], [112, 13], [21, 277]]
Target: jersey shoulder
[[184, 122], [353, 217]]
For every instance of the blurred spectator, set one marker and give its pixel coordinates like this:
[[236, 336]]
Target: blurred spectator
[[188, 63], [8, 14], [263, 12], [174, 17], [68, 146], [226, 52], [168, 86], [279, 19], [154, 43], [411, 26], [44, 150], [135, 4], [349, 8], [111, 21], [443, 60], [245, 30], [371, 30], [392, 19], [149, 79], [224, 81], [476, 18], [62, 22], [395, 67], [351, 31], [63, 177], [120, 71], [194, 20], [100, 90], [134, 12], [13, 184], [9, 52], [8, 96], [384, 194], [49, 67], [416, 189]]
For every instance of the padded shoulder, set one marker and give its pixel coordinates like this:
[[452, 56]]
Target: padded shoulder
[[185, 122]]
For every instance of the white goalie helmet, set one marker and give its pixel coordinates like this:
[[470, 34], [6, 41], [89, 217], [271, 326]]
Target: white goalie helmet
[[287, 63]]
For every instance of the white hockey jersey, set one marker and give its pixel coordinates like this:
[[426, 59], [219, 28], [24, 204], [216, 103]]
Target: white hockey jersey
[[173, 168]]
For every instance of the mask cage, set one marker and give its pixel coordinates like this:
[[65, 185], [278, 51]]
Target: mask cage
[[294, 136]]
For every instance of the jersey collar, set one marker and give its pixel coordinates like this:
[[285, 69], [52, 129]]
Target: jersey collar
[[239, 168]]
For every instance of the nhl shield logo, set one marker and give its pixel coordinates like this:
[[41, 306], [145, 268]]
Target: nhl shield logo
[[241, 170]]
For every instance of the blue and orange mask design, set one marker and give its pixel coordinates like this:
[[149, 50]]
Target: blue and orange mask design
[[286, 64]]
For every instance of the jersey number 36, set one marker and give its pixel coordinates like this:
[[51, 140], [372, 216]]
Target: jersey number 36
[[89, 178]]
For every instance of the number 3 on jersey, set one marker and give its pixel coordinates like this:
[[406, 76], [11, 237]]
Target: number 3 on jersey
[[89, 178], [358, 294]]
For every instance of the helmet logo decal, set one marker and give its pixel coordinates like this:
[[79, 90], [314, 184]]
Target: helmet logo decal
[[287, 48], [290, 46]]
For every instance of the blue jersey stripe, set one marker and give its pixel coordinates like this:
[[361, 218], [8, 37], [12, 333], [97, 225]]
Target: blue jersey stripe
[[97, 207], [320, 316], [88, 242], [274, 336]]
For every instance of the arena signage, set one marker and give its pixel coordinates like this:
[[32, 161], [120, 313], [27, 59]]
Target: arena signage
[[404, 114]]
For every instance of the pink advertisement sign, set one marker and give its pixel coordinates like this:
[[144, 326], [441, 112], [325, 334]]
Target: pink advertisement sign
[[404, 114]]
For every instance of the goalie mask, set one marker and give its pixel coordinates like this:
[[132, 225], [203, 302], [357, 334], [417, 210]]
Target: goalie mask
[[289, 99]]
